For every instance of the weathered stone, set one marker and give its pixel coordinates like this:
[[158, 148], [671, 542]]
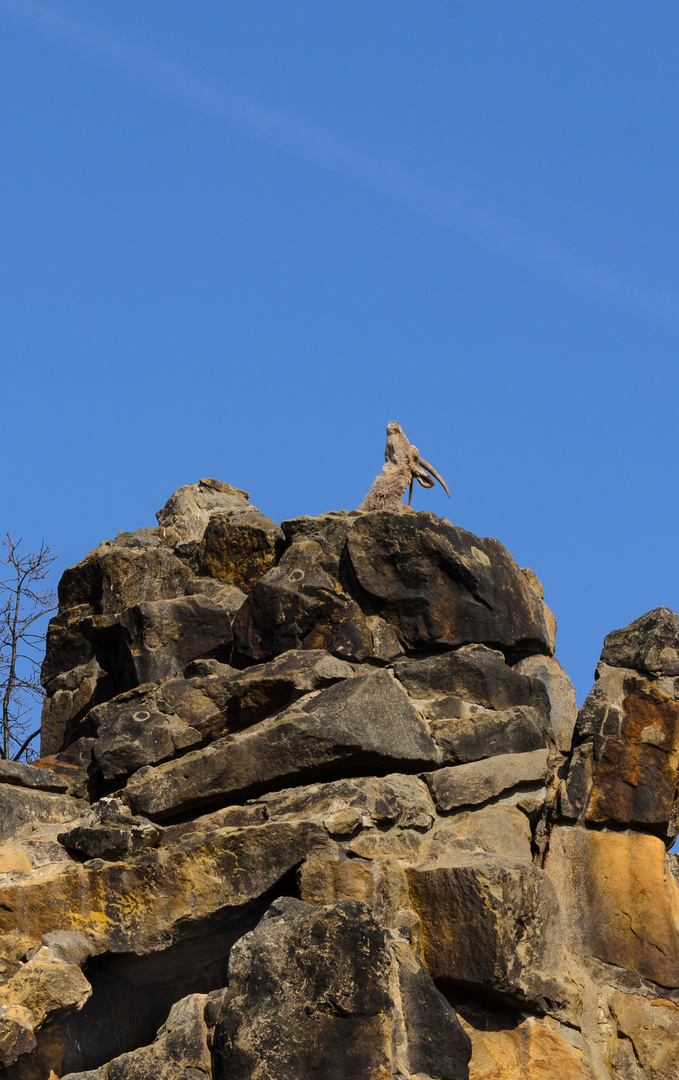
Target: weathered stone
[[620, 904], [435, 1043], [491, 922], [217, 706], [499, 829], [137, 729], [240, 546], [469, 785], [68, 643], [329, 530], [188, 511], [229, 597], [109, 831], [27, 776], [113, 578], [143, 904], [649, 644], [74, 766], [361, 724], [44, 985], [21, 809], [152, 641], [624, 769], [472, 674], [69, 697], [513, 731], [652, 1029], [563, 707], [179, 1052], [301, 604], [441, 586], [309, 995], [511, 1047]]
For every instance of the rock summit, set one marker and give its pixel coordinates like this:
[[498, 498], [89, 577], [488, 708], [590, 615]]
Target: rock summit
[[315, 802]]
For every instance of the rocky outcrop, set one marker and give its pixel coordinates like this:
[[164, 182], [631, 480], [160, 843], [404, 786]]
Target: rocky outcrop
[[315, 802]]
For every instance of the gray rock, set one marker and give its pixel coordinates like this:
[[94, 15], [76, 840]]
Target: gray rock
[[302, 604], [188, 511], [563, 707], [113, 578], [136, 729], [236, 700], [28, 776], [309, 996], [473, 674], [493, 923], [109, 831], [22, 809], [364, 724], [649, 644], [470, 785], [488, 734]]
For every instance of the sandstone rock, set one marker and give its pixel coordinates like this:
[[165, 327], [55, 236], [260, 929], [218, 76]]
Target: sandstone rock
[[511, 1047], [152, 641], [514, 731], [188, 511], [114, 578], [109, 831], [309, 995], [438, 585], [219, 705], [302, 604], [361, 724], [43, 985], [69, 697], [180, 1050], [651, 1029], [491, 922], [147, 902], [563, 707], [27, 776], [620, 905], [330, 529], [21, 809], [649, 644], [624, 768], [240, 546], [473, 674], [137, 729], [468, 785], [74, 766]]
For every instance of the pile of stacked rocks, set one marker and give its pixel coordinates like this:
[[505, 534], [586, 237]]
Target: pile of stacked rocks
[[315, 801]]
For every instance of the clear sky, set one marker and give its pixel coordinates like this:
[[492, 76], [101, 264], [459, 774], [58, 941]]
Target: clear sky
[[240, 236]]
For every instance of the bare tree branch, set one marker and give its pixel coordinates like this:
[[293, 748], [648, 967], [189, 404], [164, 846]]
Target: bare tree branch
[[22, 605]]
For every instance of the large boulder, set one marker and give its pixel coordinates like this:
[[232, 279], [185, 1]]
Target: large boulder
[[310, 995], [440, 586], [302, 604], [359, 725]]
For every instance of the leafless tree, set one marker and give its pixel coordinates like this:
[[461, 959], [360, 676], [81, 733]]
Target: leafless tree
[[23, 603]]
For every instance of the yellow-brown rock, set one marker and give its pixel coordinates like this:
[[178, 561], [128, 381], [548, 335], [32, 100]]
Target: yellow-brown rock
[[529, 1050], [620, 902]]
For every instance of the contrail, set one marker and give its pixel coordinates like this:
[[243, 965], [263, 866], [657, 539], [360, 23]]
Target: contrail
[[451, 206]]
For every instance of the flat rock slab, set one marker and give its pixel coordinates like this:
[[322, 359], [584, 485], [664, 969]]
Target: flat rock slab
[[364, 725], [513, 731], [475, 783], [474, 674], [22, 775], [437, 584]]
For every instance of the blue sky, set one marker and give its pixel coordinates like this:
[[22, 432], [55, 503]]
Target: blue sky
[[239, 237]]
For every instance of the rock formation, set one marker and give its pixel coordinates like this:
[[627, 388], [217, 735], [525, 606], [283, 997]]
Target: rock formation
[[315, 803]]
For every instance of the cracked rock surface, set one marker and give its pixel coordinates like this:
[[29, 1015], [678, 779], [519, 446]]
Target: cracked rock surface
[[315, 803]]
